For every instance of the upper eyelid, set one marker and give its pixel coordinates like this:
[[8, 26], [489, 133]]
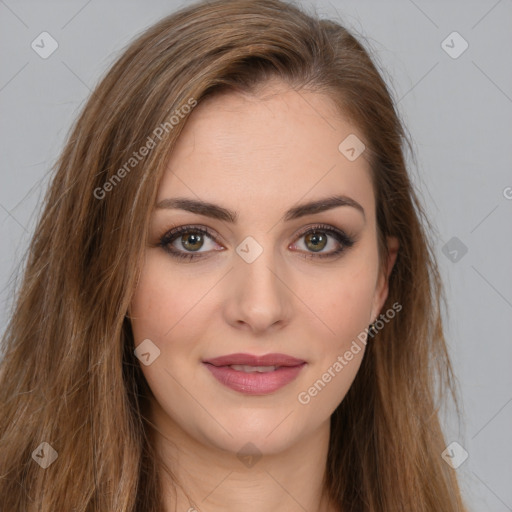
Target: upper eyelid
[[175, 232], [179, 230]]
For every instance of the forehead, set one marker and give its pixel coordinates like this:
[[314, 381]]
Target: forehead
[[269, 150]]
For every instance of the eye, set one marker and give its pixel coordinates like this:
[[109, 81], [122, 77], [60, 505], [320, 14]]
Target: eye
[[185, 242], [318, 237], [189, 238]]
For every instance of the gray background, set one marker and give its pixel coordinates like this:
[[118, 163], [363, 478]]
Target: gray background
[[458, 111]]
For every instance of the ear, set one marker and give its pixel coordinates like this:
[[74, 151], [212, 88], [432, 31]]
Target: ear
[[382, 288]]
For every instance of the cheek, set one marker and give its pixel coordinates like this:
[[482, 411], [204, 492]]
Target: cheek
[[171, 307], [163, 299], [341, 300], [343, 305], [148, 305], [163, 310]]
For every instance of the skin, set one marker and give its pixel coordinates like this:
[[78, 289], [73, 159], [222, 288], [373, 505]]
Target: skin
[[258, 155]]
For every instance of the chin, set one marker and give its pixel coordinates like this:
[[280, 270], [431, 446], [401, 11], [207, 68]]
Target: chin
[[274, 431]]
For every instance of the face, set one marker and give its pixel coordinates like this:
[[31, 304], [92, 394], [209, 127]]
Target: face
[[303, 284]]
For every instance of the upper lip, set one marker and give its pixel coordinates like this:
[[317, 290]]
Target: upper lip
[[252, 360]]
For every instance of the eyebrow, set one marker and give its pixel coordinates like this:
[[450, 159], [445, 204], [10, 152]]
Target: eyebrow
[[218, 212]]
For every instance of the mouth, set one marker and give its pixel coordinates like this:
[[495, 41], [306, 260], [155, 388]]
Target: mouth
[[255, 375], [264, 361], [252, 369]]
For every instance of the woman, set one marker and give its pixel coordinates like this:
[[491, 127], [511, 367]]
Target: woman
[[230, 299]]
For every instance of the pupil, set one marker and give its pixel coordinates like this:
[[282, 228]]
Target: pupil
[[318, 241], [192, 237]]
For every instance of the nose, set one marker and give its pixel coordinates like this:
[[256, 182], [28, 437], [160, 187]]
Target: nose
[[259, 294]]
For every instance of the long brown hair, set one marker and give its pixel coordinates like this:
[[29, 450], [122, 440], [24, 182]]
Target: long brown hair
[[69, 376]]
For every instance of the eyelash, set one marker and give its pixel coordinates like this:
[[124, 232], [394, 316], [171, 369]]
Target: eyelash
[[170, 236]]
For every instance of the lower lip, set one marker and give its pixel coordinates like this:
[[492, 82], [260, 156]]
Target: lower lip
[[256, 383]]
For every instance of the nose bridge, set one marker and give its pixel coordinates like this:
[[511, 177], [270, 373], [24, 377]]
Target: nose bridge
[[256, 266], [259, 296]]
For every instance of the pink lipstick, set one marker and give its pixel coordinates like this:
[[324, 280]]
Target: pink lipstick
[[255, 375]]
